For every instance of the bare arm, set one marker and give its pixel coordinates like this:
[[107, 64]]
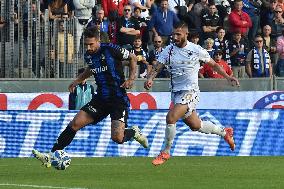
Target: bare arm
[[155, 70], [132, 72], [86, 74], [221, 71], [130, 31]]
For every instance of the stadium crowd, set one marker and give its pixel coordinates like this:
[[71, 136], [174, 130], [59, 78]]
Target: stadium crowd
[[246, 37]]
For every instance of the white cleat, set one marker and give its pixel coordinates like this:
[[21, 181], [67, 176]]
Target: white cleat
[[44, 158], [139, 137]]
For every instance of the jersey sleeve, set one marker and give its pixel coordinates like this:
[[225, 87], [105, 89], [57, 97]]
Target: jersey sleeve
[[120, 53], [204, 55]]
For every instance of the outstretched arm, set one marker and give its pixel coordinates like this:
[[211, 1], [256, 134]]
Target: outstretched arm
[[221, 71], [86, 74], [155, 70]]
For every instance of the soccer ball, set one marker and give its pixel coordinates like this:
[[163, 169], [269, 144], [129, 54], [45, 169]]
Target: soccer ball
[[60, 160]]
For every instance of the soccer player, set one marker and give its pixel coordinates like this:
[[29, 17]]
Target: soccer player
[[104, 62], [183, 61]]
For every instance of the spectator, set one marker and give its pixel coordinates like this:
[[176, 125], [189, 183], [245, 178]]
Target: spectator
[[221, 43], [269, 44], [58, 9], [200, 7], [267, 13], [252, 8], [208, 43], [144, 33], [82, 94], [83, 12], [153, 57], [68, 52], [113, 26], [239, 20], [258, 60], [280, 50], [277, 23], [238, 50], [162, 22], [142, 57], [103, 35], [129, 28], [111, 5], [192, 19], [194, 38], [208, 72], [210, 20], [143, 5], [100, 14]]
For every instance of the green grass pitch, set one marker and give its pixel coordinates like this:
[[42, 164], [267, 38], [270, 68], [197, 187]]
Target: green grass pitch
[[138, 173]]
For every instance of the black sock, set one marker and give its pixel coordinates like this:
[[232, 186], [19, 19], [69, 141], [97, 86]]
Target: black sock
[[64, 139], [128, 134]]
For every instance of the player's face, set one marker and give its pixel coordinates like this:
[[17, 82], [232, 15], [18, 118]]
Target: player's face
[[92, 45], [180, 37]]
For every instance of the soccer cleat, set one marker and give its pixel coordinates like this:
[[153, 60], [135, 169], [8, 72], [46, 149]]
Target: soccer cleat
[[229, 137], [161, 158], [139, 137], [43, 157]]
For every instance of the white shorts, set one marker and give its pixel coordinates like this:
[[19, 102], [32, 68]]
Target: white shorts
[[191, 98]]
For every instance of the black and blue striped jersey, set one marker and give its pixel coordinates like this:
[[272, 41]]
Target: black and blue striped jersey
[[106, 65]]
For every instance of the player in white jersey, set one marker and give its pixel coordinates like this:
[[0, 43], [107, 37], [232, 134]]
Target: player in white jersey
[[183, 62]]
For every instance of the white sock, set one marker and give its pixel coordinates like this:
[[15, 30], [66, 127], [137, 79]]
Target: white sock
[[169, 137], [210, 128]]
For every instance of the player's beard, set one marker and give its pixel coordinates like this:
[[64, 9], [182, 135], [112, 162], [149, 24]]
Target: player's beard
[[181, 43]]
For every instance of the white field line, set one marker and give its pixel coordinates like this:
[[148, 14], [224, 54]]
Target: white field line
[[36, 186]]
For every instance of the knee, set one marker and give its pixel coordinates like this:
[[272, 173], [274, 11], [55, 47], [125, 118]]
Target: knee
[[195, 126], [117, 139], [75, 125], [171, 119]]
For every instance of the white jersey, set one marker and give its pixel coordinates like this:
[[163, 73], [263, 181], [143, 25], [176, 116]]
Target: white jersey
[[183, 64]]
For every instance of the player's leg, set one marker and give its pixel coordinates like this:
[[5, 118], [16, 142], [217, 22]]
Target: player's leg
[[172, 117], [207, 127], [119, 131], [81, 119], [65, 138]]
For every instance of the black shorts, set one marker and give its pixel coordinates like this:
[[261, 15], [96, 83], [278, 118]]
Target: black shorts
[[99, 109]]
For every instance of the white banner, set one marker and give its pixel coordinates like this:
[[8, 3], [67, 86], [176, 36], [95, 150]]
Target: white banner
[[151, 100]]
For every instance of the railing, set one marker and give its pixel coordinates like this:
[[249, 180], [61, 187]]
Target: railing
[[32, 46]]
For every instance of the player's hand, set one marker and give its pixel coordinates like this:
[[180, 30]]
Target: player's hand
[[72, 86], [234, 81], [148, 84], [128, 84]]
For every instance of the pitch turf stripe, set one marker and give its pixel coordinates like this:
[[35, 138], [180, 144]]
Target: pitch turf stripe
[[37, 186]]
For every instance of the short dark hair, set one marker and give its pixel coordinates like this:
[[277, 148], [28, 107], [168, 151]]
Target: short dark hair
[[258, 36], [81, 70], [181, 24], [236, 1], [92, 32], [219, 28], [138, 37], [137, 8]]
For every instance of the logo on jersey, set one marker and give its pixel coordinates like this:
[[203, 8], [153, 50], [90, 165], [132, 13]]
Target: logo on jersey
[[92, 109], [125, 53], [99, 69], [123, 117]]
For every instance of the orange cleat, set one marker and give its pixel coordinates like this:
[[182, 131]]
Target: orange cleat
[[229, 137], [161, 158]]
